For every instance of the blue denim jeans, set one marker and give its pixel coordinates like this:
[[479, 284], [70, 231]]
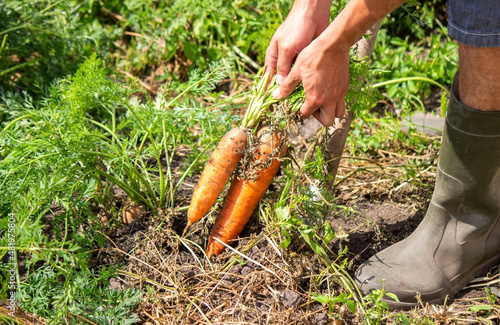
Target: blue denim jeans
[[475, 22]]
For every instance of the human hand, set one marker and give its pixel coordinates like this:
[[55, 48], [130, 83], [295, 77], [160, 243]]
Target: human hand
[[324, 74], [306, 21], [322, 64]]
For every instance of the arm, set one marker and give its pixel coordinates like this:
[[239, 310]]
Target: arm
[[323, 64]]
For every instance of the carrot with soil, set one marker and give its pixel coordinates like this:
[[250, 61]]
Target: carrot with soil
[[226, 157], [217, 172], [245, 194]]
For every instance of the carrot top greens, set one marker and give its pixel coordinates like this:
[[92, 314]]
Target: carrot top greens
[[261, 99]]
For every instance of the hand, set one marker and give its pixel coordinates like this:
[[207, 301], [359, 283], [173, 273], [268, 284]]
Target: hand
[[306, 21], [324, 74], [322, 64], [325, 77]]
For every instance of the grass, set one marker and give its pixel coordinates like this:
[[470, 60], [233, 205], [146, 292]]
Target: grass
[[86, 137]]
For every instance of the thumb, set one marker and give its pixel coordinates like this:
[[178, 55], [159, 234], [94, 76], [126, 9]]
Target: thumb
[[287, 86]]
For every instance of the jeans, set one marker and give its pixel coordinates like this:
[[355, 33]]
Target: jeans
[[475, 22]]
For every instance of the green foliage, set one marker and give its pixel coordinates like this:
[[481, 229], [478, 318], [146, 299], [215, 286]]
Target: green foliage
[[299, 215], [414, 68], [342, 298], [370, 133], [63, 158], [59, 294], [150, 34], [415, 18], [92, 128], [413, 54], [361, 95], [376, 299], [41, 41], [60, 282], [492, 298]]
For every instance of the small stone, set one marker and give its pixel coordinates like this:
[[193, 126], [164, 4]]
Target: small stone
[[322, 319], [114, 284], [290, 298]]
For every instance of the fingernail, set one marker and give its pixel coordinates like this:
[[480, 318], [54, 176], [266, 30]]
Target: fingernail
[[277, 93], [279, 79]]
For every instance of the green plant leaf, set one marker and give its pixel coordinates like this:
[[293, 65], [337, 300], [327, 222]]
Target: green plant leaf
[[392, 296], [479, 308], [320, 298], [190, 50]]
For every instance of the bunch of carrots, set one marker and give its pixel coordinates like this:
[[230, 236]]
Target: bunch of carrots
[[250, 182]]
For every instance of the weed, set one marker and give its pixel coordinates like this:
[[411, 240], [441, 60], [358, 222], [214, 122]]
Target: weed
[[377, 306], [69, 295]]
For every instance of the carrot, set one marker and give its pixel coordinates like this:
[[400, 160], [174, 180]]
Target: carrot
[[226, 156], [244, 195], [219, 168]]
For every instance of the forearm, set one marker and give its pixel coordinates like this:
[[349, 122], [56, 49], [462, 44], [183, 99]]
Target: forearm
[[353, 22], [312, 8]]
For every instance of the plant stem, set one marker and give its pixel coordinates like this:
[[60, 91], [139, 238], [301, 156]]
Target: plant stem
[[388, 82], [261, 99]]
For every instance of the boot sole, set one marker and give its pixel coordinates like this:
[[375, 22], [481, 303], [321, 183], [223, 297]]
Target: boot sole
[[481, 269]]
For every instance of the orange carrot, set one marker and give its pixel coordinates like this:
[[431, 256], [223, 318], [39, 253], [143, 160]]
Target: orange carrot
[[244, 195], [217, 172]]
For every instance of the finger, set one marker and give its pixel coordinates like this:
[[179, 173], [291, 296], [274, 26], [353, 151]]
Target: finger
[[325, 116], [340, 109], [271, 59], [287, 86], [308, 108]]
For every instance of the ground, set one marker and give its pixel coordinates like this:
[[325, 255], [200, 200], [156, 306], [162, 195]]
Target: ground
[[261, 283]]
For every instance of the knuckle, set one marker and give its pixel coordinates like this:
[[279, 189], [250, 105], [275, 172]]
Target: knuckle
[[318, 100], [282, 67]]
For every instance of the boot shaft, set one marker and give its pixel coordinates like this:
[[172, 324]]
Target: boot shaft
[[468, 185]]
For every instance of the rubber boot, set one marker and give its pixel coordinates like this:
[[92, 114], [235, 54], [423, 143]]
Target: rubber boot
[[459, 238]]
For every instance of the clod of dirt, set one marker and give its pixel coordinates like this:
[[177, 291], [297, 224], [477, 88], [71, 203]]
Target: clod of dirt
[[246, 270], [114, 284], [132, 212], [290, 298]]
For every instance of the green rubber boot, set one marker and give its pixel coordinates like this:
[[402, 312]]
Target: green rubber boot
[[459, 238]]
